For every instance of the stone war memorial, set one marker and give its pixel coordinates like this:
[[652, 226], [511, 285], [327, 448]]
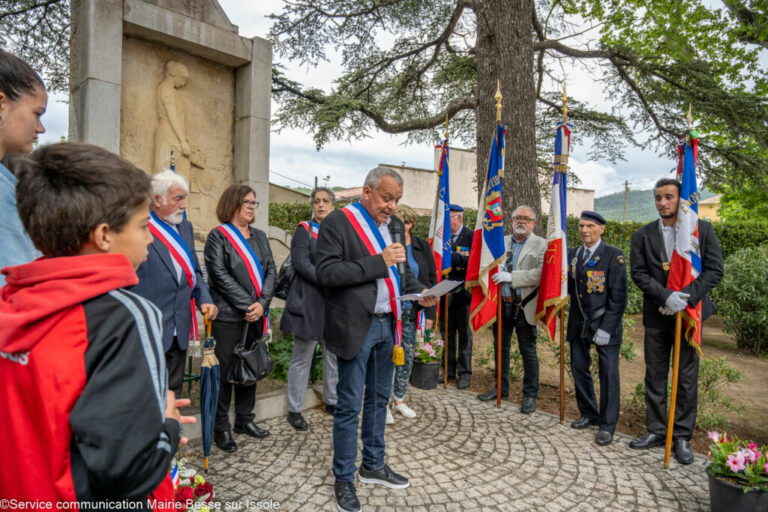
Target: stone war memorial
[[151, 78]]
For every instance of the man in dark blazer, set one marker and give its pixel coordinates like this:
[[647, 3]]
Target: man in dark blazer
[[458, 302], [359, 329], [162, 279], [597, 284], [652, 247]]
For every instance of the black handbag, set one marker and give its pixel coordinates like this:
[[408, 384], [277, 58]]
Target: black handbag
[[250, 365], [284, 279]]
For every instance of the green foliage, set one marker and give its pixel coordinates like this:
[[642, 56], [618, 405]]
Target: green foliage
[[281, 348], [744, 204], [734, 236], [713, 408], [287, 216], [742, 298]]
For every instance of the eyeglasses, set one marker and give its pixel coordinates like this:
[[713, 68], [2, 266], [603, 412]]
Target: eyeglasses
[[522, 219], [255, 204]]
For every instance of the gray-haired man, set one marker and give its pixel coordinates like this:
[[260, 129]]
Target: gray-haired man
[[520, 284]]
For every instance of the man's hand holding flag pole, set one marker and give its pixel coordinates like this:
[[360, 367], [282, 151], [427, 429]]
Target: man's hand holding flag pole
[[685, 264]]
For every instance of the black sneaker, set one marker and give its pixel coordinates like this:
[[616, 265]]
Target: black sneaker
[[345, 497], [382, 476]]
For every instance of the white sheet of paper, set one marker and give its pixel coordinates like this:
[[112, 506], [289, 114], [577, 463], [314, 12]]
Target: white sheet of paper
[[438, 290]]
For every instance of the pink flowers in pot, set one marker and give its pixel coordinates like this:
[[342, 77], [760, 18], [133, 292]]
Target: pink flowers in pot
[[742, 462]]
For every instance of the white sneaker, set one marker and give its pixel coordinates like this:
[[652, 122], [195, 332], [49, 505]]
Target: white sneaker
[[405, 410], [390, 418]]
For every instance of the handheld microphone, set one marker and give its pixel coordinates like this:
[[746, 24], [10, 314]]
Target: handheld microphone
[[398, 236]]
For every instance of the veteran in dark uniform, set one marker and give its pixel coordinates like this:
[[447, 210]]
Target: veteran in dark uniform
[[597, 284], [458, 302]]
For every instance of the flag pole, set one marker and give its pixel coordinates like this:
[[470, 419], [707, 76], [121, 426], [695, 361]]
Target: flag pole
[[498, 98], [445, 312], [562, 307], [673, 398]]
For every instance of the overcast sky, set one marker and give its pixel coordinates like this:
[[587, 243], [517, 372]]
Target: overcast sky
[[294, 160]]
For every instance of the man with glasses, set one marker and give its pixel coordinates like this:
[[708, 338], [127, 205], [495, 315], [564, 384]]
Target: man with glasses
[[597, 284], [519, 286], [458, 302]]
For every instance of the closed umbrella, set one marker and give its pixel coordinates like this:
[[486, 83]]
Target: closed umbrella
[[209, 390]]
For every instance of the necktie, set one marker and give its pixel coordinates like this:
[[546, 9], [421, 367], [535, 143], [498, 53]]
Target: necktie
[[587, 255]]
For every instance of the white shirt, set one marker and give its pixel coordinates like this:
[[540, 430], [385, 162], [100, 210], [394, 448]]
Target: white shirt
[[382, 293], [668, 236]]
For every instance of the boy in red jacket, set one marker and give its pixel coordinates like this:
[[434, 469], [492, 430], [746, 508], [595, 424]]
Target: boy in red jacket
[[86, 415]]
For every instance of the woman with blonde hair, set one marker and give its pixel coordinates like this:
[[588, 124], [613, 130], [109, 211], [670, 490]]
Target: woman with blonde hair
[[422, 265]]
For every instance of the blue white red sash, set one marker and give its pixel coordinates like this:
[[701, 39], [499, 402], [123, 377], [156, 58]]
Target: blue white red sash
[[252, 263], [312, 227], [369, 233], [181, 253]]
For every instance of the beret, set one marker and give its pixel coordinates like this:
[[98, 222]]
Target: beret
[[593, 216]]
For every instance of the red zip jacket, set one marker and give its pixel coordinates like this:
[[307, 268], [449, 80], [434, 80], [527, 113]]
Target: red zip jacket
[[82, 386]]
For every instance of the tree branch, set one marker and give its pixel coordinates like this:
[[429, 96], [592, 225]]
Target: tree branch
[[32, 7], [550, 44], [454, 106]]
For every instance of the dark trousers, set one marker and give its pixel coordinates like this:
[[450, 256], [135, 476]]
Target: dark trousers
[[365, 382], [175, 358], [659, 344], [513, 320], [610, 390], [227, 335], [458, 325]]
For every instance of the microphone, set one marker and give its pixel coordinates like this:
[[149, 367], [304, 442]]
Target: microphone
[[398, 236]]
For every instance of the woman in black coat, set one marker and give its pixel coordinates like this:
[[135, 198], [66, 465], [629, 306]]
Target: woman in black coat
[[240, 303], [422, 264], [304, 314]]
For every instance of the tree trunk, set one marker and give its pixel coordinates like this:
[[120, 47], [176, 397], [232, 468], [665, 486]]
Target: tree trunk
[[504, 51]]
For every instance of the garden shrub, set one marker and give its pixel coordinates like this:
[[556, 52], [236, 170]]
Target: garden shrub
[[742, 298]]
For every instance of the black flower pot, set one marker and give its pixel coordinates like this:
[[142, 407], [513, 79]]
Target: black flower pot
[[727, 497], [425, 375]]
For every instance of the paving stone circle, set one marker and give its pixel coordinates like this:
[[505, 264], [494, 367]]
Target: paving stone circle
[[460, 454]]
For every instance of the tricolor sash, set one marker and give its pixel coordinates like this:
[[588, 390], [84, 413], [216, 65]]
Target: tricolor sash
[[368, 231], [312, 227], [181, 253], [252, 263]]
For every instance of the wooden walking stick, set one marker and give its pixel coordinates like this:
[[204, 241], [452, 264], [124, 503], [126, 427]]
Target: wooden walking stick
[[673, 398], [562, 364]]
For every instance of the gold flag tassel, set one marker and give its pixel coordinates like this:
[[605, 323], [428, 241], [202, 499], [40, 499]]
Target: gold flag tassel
[[398, 354]]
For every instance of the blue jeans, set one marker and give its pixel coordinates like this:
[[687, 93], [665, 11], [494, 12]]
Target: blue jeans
[[403, 373], [368, 376]]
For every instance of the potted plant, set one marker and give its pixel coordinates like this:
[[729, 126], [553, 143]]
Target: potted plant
[[426, 363], [738, 475]]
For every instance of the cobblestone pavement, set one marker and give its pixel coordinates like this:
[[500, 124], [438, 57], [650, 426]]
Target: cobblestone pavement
[[460, 454]]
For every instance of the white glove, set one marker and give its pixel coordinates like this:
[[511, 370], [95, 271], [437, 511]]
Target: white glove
[[677, 301], [502, 277], [664, 310], [601, 338]]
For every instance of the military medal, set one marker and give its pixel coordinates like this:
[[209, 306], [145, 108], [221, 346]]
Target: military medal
[[665, 266]]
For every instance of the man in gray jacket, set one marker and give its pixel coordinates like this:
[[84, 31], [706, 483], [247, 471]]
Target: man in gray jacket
[[519, 286]]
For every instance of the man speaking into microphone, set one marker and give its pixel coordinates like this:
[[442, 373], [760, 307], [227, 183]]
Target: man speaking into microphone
[[363, 272]]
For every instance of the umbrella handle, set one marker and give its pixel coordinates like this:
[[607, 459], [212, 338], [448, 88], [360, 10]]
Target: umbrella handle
[[207, 325]]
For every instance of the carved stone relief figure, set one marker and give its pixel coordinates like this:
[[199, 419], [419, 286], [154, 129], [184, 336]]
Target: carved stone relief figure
[[171, 135]]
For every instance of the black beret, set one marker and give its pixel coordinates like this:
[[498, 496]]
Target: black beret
[[593, 216]]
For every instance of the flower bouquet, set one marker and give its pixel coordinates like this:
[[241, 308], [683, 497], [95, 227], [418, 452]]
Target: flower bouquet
[[192, 491], [738, 474]]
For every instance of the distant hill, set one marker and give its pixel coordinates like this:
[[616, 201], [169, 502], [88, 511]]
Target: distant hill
[[640, 205]]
